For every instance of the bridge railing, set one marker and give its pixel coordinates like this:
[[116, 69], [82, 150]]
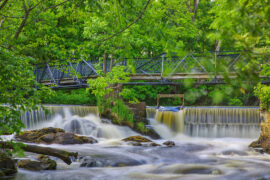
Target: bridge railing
[[80, 70]]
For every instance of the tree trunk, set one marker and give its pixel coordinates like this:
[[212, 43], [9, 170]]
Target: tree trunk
[[111, 64], [105, 64], [64, 155], [196, 3], [22, 25]]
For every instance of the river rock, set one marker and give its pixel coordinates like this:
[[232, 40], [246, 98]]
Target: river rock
[[169, 143], [51, 164], [188, 169], [199, 170], [53, 136], [91, 162], [154, 144], [7, 165], [137, 139], [234, 152], [44, 164], [111, 162]]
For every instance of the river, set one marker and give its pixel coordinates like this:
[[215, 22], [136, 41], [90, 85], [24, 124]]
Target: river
[[211, 143]]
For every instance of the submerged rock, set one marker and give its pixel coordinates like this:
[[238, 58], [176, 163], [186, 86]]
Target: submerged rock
[[53, 136], [80, 126], [7, 165], [91, 162], [234, 152], [137, 139], [199, 170], [169, 143], [189, 169], [97, 162], [44, 164], [51, 164], [154, 144], [74, 126]]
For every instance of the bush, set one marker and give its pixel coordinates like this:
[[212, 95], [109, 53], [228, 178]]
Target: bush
[[263, 93], [76, 97], [235, 102]]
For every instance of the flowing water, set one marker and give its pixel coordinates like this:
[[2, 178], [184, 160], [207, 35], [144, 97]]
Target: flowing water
[[210, 121], [198, 154]]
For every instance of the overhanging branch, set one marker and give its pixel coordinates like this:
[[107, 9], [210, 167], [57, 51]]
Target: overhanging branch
[[136, 20]]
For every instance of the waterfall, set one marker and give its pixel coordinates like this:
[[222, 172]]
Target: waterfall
[[36, 117], [174, 120], [82, 120], [210, 121]]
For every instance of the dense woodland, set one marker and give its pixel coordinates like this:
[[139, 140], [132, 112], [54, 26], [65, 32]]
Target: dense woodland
[[35, 31]]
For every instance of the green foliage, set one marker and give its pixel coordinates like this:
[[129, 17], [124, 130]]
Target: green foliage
[[195, 95], [235, 102], [141, 128], [128, 95], [149, 94], [17, 90], [263, 92], [105, 89], [100, 86], [76, 96], [252, 37], [123, 113]]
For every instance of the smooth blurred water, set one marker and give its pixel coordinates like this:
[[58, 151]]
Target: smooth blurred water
[[210, 121], [193, 157]]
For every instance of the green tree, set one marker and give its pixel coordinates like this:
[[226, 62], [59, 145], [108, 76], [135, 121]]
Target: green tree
[[17, 90]]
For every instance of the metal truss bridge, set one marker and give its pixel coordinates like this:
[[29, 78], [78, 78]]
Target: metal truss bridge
[[204, 68]]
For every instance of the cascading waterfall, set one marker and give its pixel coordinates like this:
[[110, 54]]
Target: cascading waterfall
[[174, 120], [34, 118], [210, 121], [82, 120], [194, 121]]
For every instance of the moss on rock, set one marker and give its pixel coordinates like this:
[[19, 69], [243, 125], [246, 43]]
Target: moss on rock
[[137, 139], [7, 165], [53, 136]]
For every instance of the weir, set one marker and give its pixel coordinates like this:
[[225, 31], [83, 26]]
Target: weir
[[211, 121], [193, 121], [32, 119]]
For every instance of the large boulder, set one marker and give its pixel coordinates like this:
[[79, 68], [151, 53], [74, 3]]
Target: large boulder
[[7, 165], [264, 140], [262, 143], [53, 136]]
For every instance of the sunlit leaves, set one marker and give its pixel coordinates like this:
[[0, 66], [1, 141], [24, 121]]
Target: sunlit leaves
[[17, 90]]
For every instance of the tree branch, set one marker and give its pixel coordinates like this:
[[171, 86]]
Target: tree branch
[[64, 155], [54, 6], [136, 20], [3, 4], [188, 5], [15, 17]]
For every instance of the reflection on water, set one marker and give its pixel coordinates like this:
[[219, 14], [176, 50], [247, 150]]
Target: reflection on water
[[194, 157]]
